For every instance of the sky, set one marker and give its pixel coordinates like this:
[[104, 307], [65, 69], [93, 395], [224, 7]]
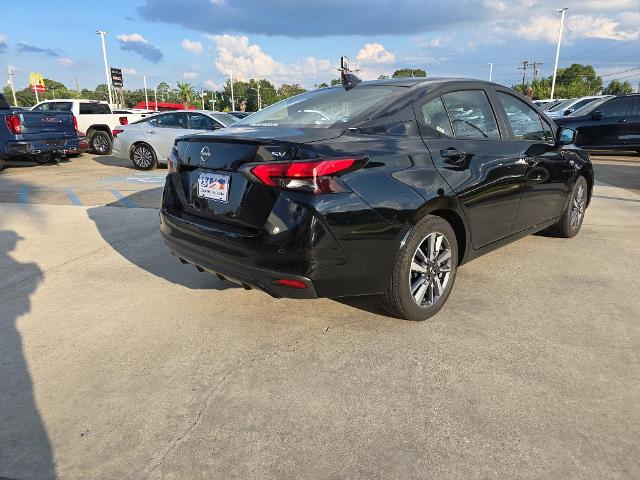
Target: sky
[[297, 41]]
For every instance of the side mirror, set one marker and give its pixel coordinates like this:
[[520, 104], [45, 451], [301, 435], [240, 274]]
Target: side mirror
[[566, 136], [597, 115]]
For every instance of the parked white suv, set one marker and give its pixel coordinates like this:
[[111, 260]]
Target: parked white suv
[[95, 118]]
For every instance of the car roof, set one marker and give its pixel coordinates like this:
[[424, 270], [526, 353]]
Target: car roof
[[423, 82]]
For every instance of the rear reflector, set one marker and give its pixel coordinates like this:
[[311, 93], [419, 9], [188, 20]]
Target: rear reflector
[[116, 131], [124, 121], [284, 282], [75, 122], [13, 123], [316, 176]]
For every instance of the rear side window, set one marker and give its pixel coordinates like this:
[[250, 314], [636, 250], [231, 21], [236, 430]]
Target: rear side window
[[471, 114], [435, 116], [525, 122], [94, 109], [618, 107], [170, 120], [197, 121], [53, 107]]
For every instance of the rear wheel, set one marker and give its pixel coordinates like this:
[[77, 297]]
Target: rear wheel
[[425, 271], [571, 220], [100, 143], [143, 157]]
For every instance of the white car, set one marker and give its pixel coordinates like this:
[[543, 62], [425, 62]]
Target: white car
[[94, 117], [148, 142], [569, 106]]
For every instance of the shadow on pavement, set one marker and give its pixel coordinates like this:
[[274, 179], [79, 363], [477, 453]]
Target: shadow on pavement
[[624, 175], [135, 234], [111, 161], [25, 450]]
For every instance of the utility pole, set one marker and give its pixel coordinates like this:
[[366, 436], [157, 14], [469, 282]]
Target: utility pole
[[202, 95], [106, 64], [155, 97], [536, 70], [77, 88], [146, 98], [524, 68], [233, 102], [562, 12], [490, 72], [10, 81]]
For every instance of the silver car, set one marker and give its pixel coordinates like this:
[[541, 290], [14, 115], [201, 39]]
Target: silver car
[[148, 142]]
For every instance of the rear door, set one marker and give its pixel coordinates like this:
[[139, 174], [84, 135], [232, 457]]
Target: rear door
[[631, 135], [199, 123], [481, 166], [547, 169], [163, 130]]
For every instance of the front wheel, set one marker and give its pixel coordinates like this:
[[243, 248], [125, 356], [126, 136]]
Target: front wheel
[[425, 271], [569, 223], [100, 143], [143, 157]]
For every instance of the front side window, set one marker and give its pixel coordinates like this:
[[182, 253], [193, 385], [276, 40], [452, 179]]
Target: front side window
[[197, 121], [435, 116], [617, 107], [525, 122], [471, 114], [322, 108]]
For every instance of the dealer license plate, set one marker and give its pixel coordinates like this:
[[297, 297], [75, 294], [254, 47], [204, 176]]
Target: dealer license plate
[[213, 186]]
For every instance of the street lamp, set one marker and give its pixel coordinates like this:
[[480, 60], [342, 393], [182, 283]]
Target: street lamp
[[561, 11], [490, 72], [106, 64]]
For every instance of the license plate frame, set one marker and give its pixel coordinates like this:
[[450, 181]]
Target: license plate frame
[[214, 186]]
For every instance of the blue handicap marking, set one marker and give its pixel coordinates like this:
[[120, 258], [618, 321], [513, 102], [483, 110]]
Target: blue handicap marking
[[136, 178], [126, 202], [73, 197], [23, 196]]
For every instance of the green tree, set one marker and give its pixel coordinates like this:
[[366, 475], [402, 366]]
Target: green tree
[[409, 72], [616, 87], [163, 90], [577, 81], [185, 92], [321, 85], [289, 90]]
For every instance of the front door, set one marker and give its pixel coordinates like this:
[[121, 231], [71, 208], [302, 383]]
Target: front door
[[548, 172], [166, 127], [467, 149], [609, 124]]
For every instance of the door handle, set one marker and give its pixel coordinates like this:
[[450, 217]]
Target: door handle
[[622, 120], [151, 131], [453, 155]]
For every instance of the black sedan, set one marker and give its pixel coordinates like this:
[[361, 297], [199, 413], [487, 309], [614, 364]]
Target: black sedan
[[381, 187], [608, 124]]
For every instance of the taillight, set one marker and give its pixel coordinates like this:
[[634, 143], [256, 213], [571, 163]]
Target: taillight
[[75, 122], [285, 282], [124, 121], [116, 131], [316, 176], [13, 123], [172, 161]]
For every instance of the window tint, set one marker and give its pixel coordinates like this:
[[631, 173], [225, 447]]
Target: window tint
[[197, 121], [94, 109], [525, 122], [435, 116], [582, 103], [53, 107], [170, 120], [636, 110], [617, 107], [471, 114]]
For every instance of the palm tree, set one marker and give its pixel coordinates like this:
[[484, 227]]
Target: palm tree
[[185, 91]]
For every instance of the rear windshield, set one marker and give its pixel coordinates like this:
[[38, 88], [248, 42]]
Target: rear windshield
[[53, 107], [321, 108]]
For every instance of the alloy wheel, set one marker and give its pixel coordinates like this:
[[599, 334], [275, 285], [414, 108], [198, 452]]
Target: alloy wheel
[[430, 269], [142, 157], [100, 144], [578, 207]]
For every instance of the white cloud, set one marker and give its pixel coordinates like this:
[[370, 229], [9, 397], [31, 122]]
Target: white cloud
[[211, 85], [130, 71], [3, 42], [234, 52], [190, 75], [192, 46], [65, 62], [131, 37], [577, 26], [375, 53]]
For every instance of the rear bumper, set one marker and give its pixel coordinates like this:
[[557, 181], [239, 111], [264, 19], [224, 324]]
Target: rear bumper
[[174, 231], [34, 147]]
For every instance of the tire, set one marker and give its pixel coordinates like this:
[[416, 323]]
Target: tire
[[412, 292], [43, 158], [100, 143], [143, 157], [569, 223]]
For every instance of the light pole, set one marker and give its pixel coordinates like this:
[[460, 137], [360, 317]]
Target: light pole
[[561, 11], [10, 82], [490, 72], [106, 64], [233, 103], [146, 97]]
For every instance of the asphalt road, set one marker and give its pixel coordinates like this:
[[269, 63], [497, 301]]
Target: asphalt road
[[117, 362]]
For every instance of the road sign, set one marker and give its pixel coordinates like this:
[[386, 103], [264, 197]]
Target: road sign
[[36, 82], [116, 78]]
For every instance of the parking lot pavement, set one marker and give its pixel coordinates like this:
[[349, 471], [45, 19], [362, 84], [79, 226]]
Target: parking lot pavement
[[86, 180], [116, 361]]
